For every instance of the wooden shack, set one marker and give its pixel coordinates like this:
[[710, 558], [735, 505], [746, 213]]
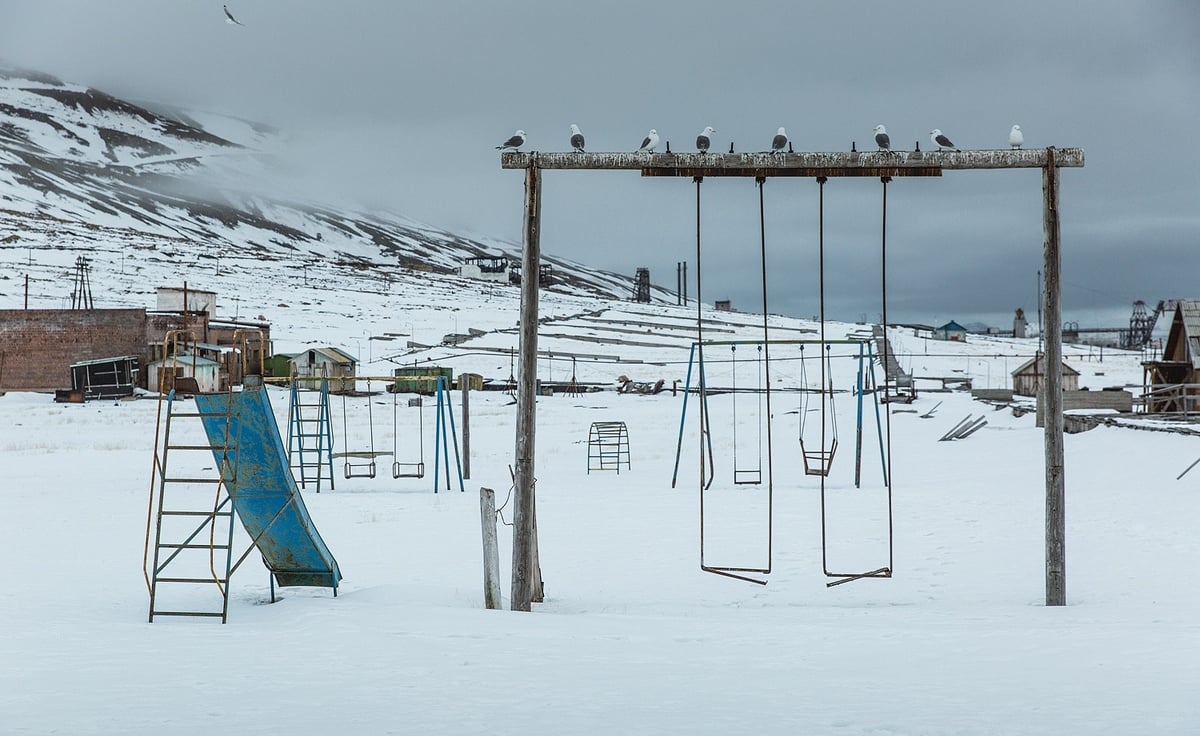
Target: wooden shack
[[1173, 382], [1027, 378], [339, 366]]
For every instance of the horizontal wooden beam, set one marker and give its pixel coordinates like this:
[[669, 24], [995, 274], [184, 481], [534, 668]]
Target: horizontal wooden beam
[[806, 164]]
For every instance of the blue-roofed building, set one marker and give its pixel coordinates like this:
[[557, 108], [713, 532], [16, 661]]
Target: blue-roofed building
[[951, 331]]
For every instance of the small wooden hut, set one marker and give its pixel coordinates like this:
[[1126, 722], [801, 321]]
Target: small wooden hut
[[1027, 378]]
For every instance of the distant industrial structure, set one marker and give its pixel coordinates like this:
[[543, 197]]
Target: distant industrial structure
[[1134, 337], [641, 286], [101, 351]]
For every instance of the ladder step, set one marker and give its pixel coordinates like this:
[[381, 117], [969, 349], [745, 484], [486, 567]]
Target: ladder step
[[226, 448], [193, 480], [222, 581], [164, 545], [197, 513], [209, 614]]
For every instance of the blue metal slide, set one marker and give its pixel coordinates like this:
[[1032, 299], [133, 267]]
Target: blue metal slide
[[264, 492]]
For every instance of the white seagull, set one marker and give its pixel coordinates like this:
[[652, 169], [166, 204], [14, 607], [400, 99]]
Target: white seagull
[[576, 138], [780, 141], [881, 138], [704, 140], [941, 141], [1015, 139], [229, 17], [649, 142], [513, 143]]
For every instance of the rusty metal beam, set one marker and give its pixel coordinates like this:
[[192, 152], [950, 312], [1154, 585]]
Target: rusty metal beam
[[806, 164]]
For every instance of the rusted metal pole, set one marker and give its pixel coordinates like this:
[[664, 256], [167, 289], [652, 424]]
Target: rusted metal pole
[[1056, 576], [524, 553]]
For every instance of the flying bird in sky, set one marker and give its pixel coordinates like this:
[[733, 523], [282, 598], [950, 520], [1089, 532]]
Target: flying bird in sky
[[780, 141], [704, 140], [941, 141], [514, 142], [881, 138], [576, 138], [229, 17], [649, 142], [1015, 138]]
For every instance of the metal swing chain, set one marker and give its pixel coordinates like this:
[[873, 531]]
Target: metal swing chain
[[766, 368]]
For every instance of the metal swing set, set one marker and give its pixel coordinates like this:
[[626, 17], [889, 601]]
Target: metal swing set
[[817, 165], [817, 457]]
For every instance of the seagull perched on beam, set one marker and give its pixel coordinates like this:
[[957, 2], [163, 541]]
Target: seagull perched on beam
[[1015, 138], [229, 17], [704, 140], [576, 139], [941, 141], [649, 142], [881, 138], [515, 141], [780, 141]]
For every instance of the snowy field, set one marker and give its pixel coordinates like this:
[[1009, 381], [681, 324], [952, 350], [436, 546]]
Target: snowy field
[[633, 637]]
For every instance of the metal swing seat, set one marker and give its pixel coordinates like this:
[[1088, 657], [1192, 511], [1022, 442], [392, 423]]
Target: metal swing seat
[[360, 463], [819, 461], [746, 475], [408, 470]]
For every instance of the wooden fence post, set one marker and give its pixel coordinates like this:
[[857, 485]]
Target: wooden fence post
[[491, 550]]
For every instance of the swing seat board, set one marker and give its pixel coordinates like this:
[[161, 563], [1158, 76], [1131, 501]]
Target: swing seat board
[[265, 494]]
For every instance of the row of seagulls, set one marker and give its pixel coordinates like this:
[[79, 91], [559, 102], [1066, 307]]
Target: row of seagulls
[[778, 143], [941, 140]]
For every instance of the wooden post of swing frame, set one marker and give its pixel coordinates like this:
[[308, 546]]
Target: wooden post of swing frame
[[526, 578], [1056, 578]]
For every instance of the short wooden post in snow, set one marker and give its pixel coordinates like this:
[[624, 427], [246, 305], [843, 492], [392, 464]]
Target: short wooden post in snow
[[491, 550]]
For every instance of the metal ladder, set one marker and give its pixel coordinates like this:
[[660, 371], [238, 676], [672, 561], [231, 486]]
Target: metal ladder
[[192, 511], [310, 434]]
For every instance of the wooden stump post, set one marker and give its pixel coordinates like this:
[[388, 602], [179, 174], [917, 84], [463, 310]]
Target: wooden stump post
[[491, 550]]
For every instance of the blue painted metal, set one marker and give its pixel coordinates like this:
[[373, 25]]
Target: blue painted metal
[[264, 491], [440, 442]]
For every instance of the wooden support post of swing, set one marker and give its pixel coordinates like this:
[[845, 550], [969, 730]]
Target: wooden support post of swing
[[526, 578], [1056, 578]]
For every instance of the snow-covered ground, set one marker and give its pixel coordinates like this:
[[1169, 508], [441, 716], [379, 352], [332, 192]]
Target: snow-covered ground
[[633, 637]]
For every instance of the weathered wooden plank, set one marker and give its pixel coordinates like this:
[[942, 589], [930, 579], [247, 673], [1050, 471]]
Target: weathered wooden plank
[[831, 163]]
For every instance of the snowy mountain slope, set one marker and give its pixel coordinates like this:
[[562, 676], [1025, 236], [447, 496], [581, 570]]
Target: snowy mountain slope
[[82, 170]]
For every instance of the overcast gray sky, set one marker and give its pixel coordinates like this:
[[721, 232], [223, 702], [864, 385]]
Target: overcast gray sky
[[398, 105]]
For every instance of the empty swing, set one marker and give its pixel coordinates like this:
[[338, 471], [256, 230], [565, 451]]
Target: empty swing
[[747, 570], [745, 474], [819, 459], [359, 463], [408, 470], [884, 571]]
